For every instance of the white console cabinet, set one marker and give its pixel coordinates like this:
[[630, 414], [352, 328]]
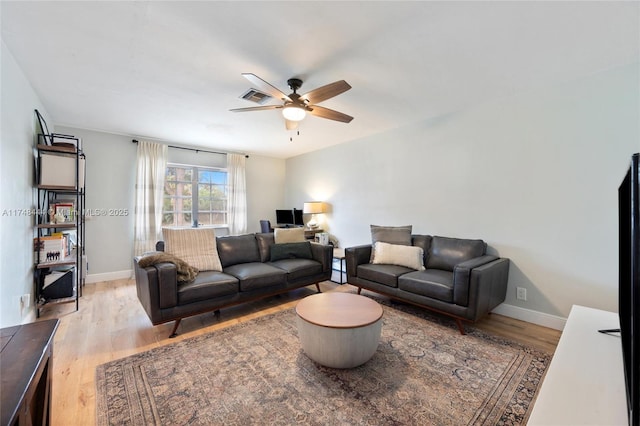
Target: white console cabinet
[[585, 381]]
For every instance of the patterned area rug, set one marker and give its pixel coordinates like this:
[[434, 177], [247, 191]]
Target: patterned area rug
[[424, 373]]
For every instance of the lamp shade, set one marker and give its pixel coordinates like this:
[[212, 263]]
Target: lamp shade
[[313, 207]]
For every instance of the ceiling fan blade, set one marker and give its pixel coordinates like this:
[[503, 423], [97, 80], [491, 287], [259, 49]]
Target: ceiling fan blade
[[263, 85], [323, 112], [290, 125], [326, 92], [260, 108]]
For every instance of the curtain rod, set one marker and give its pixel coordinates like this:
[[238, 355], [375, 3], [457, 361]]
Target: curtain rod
[[195, 149]]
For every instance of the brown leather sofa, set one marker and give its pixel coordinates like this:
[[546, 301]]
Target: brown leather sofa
[[248, 274], [459, 280]]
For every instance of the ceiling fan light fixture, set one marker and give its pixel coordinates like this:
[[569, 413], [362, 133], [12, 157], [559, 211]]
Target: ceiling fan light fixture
[[293, 113]]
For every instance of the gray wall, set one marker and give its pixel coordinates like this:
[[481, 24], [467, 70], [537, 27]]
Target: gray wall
[[110, 183], [535, 176], [17, 196], [111, 168]]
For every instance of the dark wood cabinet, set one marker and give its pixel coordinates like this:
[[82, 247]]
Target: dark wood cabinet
[[25, 373]]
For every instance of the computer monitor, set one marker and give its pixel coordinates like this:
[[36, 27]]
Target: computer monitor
[[284, 217], [297, 217]]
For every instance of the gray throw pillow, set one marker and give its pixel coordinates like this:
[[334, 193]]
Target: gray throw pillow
[[391, 234], [291, 251]]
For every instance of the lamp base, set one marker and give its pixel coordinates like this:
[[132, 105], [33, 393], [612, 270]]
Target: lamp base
[[312, 224]]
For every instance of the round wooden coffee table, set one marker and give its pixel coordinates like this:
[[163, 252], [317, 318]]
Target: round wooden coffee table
[[339, 330]]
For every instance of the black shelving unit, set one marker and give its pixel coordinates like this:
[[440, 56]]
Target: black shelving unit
[[67, 264]]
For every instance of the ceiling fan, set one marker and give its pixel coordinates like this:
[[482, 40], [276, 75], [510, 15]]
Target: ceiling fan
[[295, 106]]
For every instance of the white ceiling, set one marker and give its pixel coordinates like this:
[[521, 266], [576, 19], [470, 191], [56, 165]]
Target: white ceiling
[[171, 70]]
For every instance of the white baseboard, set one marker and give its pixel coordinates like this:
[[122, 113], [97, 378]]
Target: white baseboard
[[109, 276], [534, 317]]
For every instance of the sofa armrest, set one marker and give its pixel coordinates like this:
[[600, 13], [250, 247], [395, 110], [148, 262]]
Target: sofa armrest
[[157, 287], [488, 286], [462, 275], [355, 256], [322, 253]]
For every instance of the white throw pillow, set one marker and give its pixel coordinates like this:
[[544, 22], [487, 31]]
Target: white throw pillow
[[196, 246], [396, 254], [289, 235]]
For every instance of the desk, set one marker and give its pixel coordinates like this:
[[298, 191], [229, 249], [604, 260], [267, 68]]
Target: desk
[[584, 384], [25, 373], [309, 233]]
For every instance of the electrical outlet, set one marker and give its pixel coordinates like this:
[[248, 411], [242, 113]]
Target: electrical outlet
[[25, 300], [521, 293]]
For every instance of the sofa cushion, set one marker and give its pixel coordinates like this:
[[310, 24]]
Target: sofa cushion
[[265, 241], [396, 254], [445, 253], [256, 275], [289, 235], [237, 249], [434, 283], [207, 285], [424, 242], [291, 251], [383, 274], [298, 268], [196, 246]]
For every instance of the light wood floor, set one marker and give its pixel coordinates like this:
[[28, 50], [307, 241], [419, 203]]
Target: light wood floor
[[111, 324]]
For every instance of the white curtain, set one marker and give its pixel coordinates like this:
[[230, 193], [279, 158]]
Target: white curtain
[[152, 162], [237, 202]]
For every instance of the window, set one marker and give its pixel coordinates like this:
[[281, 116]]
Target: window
[[194, 196]]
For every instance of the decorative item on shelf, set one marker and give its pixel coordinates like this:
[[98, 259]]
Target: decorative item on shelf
[[68, 141], [64, 213], [322, 238], [57, 169], [313, 208], [51, 248]]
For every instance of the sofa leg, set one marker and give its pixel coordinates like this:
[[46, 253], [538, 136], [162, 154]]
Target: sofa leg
[[460, 326], [216, 313], [359, 290], [175, 328], [318, 287]]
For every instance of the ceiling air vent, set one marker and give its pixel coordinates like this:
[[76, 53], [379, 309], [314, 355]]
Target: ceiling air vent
[[256, 96]]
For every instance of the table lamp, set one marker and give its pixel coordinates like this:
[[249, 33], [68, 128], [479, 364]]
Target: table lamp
[[313, 208]]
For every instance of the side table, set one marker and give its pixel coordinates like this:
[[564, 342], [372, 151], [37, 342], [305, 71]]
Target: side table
[[339, 330], [338, 255]]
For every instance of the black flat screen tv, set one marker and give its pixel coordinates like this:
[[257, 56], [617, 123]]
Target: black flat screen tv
[[629, 285]]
